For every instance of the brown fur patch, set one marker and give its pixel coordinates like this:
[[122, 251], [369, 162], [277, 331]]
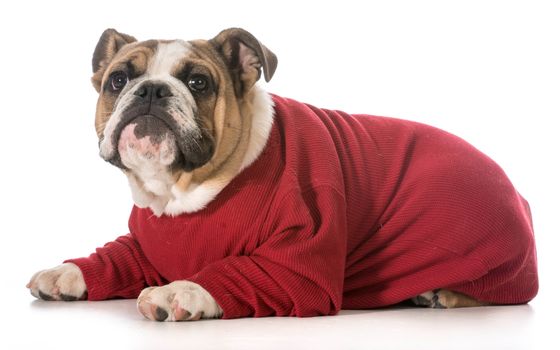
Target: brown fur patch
[[231, 142], [451, 299], [110, 43]]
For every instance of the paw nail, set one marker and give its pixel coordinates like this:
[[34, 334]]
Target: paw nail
[[161, 314]]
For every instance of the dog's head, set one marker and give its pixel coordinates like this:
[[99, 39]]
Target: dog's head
[[175, 107], [168, 91]]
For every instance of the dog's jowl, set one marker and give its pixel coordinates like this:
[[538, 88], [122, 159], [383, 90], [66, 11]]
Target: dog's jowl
[[251, 204]]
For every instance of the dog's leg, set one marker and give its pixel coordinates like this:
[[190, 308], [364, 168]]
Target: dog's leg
[[178, 301], [446, 299], [64, 282]]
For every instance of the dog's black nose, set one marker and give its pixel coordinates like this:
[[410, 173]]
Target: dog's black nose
[[153, 91]]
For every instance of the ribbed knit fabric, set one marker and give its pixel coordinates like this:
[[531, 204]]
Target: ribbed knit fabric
[[340, 211]]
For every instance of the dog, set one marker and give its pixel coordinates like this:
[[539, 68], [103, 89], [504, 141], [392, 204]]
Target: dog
[[251, 204]]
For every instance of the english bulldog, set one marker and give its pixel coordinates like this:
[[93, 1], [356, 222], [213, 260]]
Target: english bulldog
[[250, 204]]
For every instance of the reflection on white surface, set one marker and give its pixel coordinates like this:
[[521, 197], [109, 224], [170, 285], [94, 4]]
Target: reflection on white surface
[[117, 325]]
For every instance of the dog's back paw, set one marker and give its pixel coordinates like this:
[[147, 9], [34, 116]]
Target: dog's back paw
[[445, 299]]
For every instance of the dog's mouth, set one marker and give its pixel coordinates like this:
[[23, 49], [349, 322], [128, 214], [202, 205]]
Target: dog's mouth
[[142, 139], [146, 138]]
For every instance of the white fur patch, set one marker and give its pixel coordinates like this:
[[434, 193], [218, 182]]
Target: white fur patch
[[166, 57], [106, 148], [195, 198], [150, 170], [58, 283], [263, 118]]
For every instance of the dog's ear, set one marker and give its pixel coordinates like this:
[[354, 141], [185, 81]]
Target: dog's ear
[[109, 44], [246, 56]]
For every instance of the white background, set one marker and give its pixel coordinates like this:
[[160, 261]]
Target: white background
[[488, 71]]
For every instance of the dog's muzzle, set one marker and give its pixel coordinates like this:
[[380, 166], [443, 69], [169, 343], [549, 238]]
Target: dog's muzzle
[[146, 137], [149, 130]]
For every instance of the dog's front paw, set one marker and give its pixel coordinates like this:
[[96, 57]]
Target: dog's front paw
[[178, 301], [64, 282]]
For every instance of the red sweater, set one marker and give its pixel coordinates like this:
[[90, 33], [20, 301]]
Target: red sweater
[[340, 211]]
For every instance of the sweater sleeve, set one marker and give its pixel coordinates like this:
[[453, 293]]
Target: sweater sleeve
[[117, 270], [297, 271]]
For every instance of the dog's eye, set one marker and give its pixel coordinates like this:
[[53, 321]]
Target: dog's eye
[[118, 80], [197, 83]]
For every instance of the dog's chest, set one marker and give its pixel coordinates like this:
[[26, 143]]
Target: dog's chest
[[179, 247]]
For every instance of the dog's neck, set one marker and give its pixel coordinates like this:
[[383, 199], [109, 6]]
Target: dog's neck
[[165, 193]]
